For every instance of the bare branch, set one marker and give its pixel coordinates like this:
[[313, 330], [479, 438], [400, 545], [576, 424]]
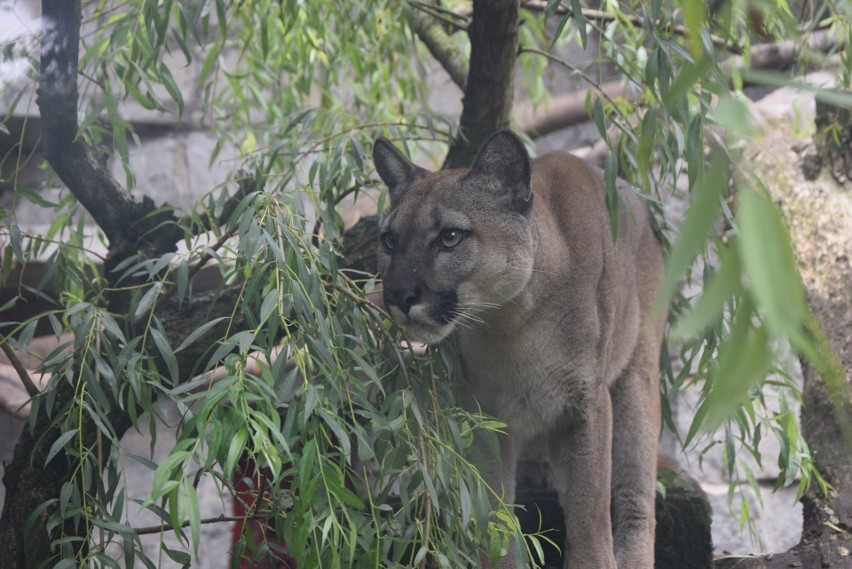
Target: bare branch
[[781, 54], [31, 388], [203, 521]]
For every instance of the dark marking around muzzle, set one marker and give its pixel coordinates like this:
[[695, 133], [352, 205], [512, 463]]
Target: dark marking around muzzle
[[403, 298]]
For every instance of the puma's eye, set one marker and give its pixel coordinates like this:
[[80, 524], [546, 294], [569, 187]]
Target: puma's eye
[[389, 241], [451, 237]]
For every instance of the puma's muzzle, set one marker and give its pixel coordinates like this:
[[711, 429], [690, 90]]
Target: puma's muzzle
[[428, 317]]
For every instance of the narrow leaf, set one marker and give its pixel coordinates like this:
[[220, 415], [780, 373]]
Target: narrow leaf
[[706, 203], [198, 332], [724, 284], [770, 264], [59, 444], [147, 301]]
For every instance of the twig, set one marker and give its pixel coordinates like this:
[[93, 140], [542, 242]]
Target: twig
[[221, 518], [603, 16], [440, 13], [565, 63], [31, 388], [375, 313]]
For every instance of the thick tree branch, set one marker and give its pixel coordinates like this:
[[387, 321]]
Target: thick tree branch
[[122, 219], [490, 83], [781, 54], [439, 43]]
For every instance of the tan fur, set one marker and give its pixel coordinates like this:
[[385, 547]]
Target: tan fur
[[553, 321]]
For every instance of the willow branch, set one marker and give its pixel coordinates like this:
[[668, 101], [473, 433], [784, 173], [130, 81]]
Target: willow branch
[[638, 21], [570, 109]]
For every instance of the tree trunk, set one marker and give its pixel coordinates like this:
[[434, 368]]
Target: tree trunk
[[490, 83]]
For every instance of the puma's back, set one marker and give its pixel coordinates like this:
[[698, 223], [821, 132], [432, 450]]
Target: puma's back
[[553, 320]]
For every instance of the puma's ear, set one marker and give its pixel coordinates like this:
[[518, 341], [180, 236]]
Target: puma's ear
[[395, 170], [504, 158]]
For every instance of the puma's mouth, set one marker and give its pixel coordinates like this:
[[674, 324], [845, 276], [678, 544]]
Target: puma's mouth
[[428, 321], [420, 327]]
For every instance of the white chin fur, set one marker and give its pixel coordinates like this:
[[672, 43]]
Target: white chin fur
[[417, 327]]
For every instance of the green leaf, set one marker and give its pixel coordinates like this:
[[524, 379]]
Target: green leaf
[[744, 360], [172, 88], [166, 352], [775, 79], [577, 13], [466, 505], [706, 203], [550, 8], [613, 200], [198, 332], [210, 60], [768, 261], [163, 475], [733, 114], [178, 556], [15, 242], [147, 301], [111, 326], [695, 149], [694, 16], [599, 120], [59, 444], [182, 280], [709, 308], [193, 512], [688, 76], [235, 449], [646, 142]]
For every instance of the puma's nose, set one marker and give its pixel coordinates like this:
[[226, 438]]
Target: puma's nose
[[403, 298]]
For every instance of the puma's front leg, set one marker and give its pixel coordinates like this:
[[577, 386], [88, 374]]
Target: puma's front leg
[[580, 448]]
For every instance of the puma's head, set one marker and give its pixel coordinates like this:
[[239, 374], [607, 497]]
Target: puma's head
[[455, 243]]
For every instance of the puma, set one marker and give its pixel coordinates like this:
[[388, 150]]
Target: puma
[[554, 323]]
